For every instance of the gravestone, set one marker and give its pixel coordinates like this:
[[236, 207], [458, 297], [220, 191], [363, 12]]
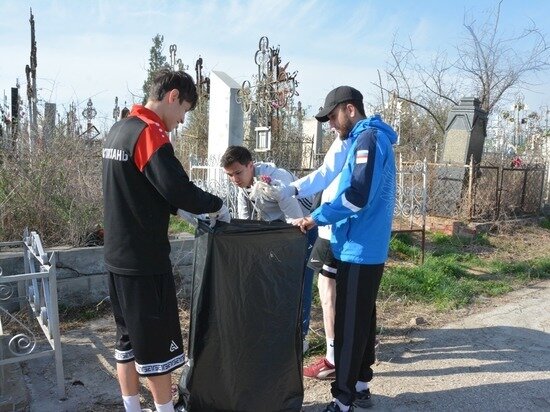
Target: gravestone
[[225, 127], [313, 132], [465, 134], [14, 117], [445, 197]]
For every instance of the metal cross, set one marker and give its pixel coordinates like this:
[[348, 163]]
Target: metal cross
[[89, 112]]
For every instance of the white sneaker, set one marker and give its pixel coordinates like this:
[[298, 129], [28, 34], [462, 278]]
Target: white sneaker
[[305, 346]]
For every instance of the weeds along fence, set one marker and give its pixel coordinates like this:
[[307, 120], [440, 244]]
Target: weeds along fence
[[477, 192]]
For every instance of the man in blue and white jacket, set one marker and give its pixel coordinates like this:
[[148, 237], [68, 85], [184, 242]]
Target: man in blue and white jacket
[[361, 217]]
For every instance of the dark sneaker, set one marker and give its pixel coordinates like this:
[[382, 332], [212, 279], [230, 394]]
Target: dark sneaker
[[322, 369], [363, 399], [333, 407]]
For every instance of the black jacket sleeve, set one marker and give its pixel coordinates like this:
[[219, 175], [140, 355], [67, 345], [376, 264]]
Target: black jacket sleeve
[[166, 173]]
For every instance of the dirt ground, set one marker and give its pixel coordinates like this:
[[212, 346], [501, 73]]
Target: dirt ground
[[88, 346]]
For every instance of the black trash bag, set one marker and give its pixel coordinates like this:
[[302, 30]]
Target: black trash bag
[[245, 344]]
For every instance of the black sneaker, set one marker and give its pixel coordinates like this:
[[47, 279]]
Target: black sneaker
[[363, 399], [333, 407]]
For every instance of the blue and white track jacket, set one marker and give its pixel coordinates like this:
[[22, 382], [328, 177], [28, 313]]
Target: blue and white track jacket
[[361, 213]]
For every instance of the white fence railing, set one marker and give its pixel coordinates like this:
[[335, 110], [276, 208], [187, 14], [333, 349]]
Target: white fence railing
[[29, 297]]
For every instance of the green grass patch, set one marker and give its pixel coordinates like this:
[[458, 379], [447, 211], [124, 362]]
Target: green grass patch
[[178, 225], [523, 271], [545, 223], [315, 299], [448, 281], [317, 345], [441, 239], [443, 282], [401, 246], [75, 315], [455, 247]]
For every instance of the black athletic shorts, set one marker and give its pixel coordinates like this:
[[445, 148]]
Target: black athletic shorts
[[148, 328], [322, 260]]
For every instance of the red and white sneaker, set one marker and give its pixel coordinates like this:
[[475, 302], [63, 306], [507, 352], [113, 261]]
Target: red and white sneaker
[[322, 369]]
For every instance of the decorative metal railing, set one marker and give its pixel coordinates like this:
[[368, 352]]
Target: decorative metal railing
[[27, 297], [411, 199]]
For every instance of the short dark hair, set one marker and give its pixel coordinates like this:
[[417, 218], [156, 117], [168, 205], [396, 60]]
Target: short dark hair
[[358, 104], [165, 80], [236, 154]]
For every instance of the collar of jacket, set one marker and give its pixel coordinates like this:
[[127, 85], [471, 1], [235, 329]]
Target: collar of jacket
[[376, 122]]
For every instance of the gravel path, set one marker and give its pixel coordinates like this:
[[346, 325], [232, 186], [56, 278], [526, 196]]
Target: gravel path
[[495, 360]]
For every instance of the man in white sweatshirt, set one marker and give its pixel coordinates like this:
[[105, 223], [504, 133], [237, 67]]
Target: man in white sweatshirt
[[322, 260]]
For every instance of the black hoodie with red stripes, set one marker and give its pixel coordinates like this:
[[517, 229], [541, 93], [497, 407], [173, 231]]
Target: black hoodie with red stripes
[[143, 182]]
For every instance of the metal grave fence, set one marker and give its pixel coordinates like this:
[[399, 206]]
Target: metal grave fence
[[411, 200], [485, 193], [26, 298]]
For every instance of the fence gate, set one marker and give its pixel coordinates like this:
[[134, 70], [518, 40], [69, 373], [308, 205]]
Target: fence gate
[[26, 298], [410, 200]]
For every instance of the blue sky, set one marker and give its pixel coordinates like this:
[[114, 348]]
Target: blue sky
[[100, 48]]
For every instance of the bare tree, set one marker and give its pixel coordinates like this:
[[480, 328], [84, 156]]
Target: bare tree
[[496, 63], [488, 65], [424, 97]]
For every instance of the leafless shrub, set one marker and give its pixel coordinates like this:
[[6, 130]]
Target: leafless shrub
[[54, 190]]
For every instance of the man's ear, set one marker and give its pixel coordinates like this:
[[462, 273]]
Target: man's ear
[[173, 96], [351, 109]]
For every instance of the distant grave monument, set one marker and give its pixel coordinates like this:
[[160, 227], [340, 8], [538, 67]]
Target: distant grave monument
[[313, 142], [225, 127], [465, 134], [49, 121]]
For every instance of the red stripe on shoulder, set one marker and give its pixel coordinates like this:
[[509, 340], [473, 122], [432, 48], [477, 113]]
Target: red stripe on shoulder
[[149, 141]]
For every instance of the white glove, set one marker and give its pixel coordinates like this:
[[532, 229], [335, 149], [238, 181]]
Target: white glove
[[222, 214], [273, 191]]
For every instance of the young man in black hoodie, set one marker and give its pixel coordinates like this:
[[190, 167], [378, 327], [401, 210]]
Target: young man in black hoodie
[[143, 183]]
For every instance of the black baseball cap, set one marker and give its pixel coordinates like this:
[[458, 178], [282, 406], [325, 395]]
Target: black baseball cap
[[339, 95]]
